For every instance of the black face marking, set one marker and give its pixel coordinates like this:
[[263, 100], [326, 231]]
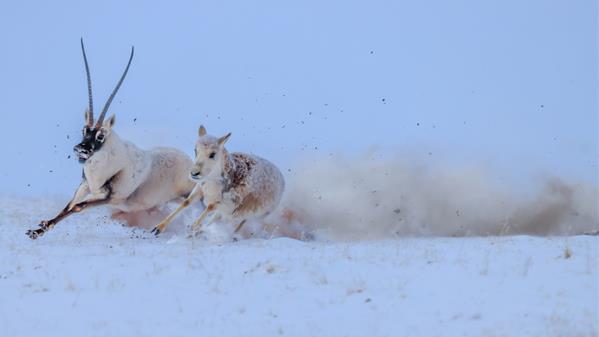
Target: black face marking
[[90, 143]]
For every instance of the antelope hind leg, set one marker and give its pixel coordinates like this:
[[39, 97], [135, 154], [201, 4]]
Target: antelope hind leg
[[198, 223], [239, 226]]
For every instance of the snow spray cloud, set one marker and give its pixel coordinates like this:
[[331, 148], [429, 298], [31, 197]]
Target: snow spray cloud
[[349, 199]]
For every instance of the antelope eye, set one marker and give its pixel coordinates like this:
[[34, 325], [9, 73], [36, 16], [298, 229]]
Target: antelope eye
[[212, 155], [100, 137]]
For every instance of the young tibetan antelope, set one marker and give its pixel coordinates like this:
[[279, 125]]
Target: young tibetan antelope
[[119, 174], [236, 186]]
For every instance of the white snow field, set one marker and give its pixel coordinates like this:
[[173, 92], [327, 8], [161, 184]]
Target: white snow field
[[91, 276]]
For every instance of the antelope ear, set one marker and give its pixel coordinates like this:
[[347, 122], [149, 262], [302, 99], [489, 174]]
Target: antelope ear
[[202, 131], [222, 140], [109, 123]]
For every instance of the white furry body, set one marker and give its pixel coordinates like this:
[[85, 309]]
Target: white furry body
[[145, 178], [116, 172], [127, 179]]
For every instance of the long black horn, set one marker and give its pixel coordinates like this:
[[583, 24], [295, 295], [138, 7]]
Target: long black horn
[[90, 108], [116, 89]]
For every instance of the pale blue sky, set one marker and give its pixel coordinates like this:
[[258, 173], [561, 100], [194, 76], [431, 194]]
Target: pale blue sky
[[508, 85]]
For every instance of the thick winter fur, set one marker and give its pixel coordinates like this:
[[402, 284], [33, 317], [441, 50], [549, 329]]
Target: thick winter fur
[[145, 179], [127, 179], [119, 174], [236, 186]]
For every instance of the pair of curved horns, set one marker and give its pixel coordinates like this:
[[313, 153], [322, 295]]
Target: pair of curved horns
[[90, 115]]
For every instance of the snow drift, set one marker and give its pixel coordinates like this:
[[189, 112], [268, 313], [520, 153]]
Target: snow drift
[[359, 198]]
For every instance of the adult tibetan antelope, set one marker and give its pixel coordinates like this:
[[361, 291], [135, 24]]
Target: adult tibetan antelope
[[118, 173], [236, 186]]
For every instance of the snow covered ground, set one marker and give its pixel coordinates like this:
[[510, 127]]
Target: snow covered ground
[[91, 276]]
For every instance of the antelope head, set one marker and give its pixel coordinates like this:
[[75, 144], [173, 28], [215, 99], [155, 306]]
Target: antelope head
[[96, 133], [210, 155]]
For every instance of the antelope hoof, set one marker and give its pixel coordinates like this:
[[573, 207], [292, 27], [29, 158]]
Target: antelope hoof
[[196, 234], [34, 234], [156, 230], [31, 234]]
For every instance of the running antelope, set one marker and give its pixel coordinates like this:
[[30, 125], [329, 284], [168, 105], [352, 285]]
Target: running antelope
[[119, 174], [236, 187]]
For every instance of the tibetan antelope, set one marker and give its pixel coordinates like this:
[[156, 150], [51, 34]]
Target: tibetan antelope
[[119, 174], [236, 187]]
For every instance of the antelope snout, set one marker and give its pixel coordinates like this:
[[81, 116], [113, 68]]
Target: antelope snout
[[195, 173], [79, 149], [82, 153]]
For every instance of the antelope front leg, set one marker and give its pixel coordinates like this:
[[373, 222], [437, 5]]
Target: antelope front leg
[[80, 194], [46, 225], [198, 223], [162, 225]]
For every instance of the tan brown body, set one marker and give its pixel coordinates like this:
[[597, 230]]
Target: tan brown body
[[236, 187]]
